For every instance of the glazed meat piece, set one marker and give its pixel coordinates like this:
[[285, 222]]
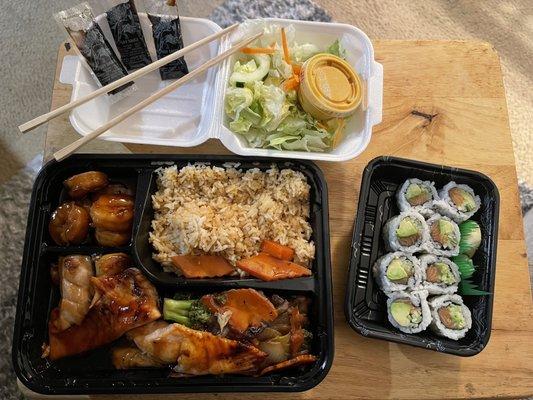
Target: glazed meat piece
[[69, 224], [80, 185], [121, 302], [112, 264], [132, 357], [75, 274], [113, 212], [197, 352]]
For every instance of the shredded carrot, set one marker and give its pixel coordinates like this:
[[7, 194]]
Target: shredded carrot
[[293, 362], [292, 83], [337, 136], [321, 125], [286, 55], [296, 69], [257, 50], [277, 250]]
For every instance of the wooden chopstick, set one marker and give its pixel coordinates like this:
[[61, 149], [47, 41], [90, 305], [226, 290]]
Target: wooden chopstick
[[66, 151], [38, 121]]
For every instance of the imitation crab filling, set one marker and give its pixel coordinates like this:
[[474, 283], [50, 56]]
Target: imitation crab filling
[[406, 313], [400, 270], [417, 194], [409, 231], [440, 272], [442, 232], [463, 200], [452, 317]]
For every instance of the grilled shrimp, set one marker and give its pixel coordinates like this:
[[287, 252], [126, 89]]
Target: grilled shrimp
[[80, 185], [75, 272], [69, 224], [113, 212]]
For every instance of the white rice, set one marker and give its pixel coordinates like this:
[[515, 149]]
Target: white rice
[[441, 287], [425, 209], [380, 273], [438, 327], [433, 247], [391, 240], [224, 211], [419, 299], [446, 206]]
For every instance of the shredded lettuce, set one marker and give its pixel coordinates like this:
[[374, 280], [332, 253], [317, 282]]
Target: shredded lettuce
[[301, 52], [337, 49]]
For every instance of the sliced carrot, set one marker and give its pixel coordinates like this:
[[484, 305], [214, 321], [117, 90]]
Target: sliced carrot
[[257, 50], [268, 268], [297, 334], [277, 250], [202, 266], [248, 308], [285, 45], [293, 362]]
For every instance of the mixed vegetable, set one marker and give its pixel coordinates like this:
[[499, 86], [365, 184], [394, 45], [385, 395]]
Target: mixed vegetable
[[262, 102]]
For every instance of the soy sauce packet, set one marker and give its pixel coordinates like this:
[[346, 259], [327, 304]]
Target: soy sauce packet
[[91, 45], [126, 29], [167, 36]]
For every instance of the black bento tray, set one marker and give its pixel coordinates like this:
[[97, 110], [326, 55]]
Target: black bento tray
[[365, 303], [93, 372]]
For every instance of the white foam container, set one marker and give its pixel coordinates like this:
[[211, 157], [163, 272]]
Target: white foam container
[[195, 112]]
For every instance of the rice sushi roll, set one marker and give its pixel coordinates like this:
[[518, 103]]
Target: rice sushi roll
[[459, 202], [397, 272], [407, 232], [409, 312], [439, 274], [444, 236], [417, 195], [451, 318]]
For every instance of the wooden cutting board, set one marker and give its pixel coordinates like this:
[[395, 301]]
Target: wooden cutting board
[[443, 103]]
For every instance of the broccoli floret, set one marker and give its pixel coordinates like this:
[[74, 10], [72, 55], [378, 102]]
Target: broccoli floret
[[191, 313]]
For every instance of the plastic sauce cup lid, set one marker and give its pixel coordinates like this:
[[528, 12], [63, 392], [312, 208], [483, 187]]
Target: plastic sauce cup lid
[[330, 87]]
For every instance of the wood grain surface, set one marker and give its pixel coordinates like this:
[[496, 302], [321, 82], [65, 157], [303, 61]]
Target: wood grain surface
[[444, 103]]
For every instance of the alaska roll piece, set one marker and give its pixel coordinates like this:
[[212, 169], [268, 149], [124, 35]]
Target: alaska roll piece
[[417, 195], [459, 202], [409, 312], [444, 236], [451, 318], [397, 272], [407, 232], [439, 274]]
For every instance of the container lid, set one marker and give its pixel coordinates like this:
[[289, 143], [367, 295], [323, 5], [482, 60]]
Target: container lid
[[333, 84]]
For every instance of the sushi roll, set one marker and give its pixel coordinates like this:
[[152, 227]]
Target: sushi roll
[[409, 312], [417, 195], [439, 274], [459, 202], [451, 318], [444, 236], [397, 271], [407, 232]]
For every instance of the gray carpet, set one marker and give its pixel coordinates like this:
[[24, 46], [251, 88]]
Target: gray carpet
[[15, 193]]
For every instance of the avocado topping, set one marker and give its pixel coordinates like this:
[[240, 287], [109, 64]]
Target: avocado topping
[[416, 194], [408, 231], [463, 200], [399, 271], [452, 317], [442, 232], [440, 272], [405, 313]]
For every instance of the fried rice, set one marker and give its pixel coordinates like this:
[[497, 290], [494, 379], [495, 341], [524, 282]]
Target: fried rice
[[201, 209]]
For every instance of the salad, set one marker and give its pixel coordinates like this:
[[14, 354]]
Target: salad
[[262, 102]]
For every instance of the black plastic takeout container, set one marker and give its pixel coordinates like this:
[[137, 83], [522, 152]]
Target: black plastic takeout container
[[365, 304], [93, 372]]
